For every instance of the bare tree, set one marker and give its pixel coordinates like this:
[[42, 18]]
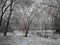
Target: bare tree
[[31, 18], [8, 18], [3, 11], [27, 26], [29, 21]]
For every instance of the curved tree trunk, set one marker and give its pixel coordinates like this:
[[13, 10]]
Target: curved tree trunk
[[6, 30]]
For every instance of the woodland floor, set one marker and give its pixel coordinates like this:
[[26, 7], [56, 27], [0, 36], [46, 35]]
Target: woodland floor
[[15, 39]]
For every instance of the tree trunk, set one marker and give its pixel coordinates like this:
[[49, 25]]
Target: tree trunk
[[27, 29], [1, 19], [2, 12], [26, 32], [6, 30]]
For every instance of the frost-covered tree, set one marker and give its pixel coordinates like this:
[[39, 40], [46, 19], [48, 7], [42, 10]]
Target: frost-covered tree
[[33, 15], [5, 32]]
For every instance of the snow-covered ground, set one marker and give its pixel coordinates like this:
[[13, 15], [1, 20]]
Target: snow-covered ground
[[17, 39]]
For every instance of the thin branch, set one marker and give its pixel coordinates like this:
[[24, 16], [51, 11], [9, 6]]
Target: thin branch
[[6, 9], [48, 5], [3, 5]]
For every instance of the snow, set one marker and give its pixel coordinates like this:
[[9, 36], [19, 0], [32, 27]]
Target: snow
[[16, 39]]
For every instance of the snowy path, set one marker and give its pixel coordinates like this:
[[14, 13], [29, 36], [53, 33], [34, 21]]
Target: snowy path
[[30, 40]]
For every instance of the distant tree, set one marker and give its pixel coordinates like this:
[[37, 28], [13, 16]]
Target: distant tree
[[27, 26], [57, 18], [29, 21], [30, 18]]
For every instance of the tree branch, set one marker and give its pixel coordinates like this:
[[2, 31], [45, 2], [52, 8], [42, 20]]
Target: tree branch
[[6, 9], [49, 5], [3, 5]]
